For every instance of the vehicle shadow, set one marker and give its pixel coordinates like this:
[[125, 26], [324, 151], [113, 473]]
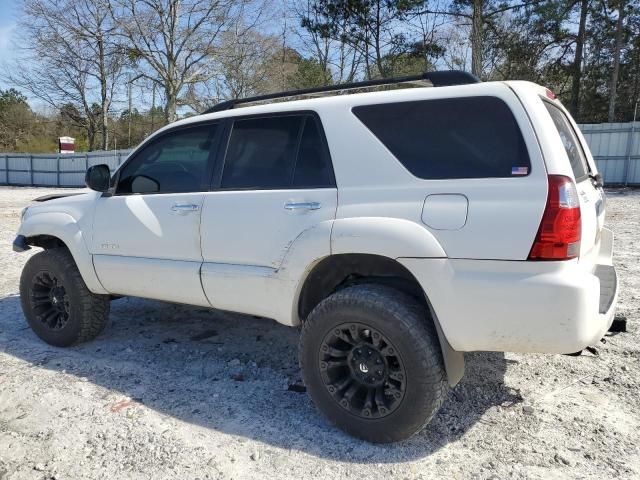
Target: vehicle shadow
[[234, 374]]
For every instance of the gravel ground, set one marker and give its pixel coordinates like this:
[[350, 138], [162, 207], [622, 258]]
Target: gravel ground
[[172, 391]]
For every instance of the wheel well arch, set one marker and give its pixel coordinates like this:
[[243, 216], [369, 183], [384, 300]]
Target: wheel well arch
[[60, 229], [343, 270], [46, 241]]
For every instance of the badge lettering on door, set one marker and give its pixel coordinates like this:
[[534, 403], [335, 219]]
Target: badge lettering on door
[[109, 246]]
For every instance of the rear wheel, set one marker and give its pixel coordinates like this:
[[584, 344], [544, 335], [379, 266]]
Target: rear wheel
[[372, 363], [56, 302]]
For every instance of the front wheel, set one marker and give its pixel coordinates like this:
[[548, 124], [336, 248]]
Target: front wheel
[[372, 363], [58, 306]]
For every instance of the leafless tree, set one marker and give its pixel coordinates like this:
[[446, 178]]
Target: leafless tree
[[331, 52], [479, 15], [242, 68], [68, 56], [455, 37], [90, 21], [174, 42], [244, 62]]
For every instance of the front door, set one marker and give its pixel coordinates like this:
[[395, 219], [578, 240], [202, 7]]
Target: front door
[[146, 238]]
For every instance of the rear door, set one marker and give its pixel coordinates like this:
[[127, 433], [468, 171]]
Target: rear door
[[591, 196], [276, 182]]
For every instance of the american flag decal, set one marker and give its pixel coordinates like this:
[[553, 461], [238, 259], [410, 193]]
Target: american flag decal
[[519, 170]]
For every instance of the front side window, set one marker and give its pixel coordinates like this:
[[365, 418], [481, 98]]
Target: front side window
[[470, 137], [569, 140], [177, 162], [278, 152]]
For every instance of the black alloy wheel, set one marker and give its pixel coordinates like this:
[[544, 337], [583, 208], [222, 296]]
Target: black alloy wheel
[[371, 361], [56, 302], [362, 369], [49, 301]]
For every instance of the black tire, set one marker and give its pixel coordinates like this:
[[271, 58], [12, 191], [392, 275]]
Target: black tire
[[56, 302], [397, 320]]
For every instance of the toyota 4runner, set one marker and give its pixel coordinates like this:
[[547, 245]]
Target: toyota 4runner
[[398, 228]]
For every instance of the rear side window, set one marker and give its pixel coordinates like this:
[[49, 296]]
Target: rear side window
[[471, 137], [569, 140], [277, 153]]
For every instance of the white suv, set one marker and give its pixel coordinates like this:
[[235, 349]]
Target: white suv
[[398, 228]]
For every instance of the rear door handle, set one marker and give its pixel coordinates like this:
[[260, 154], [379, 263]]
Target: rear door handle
[[185, 207], [302, 206]]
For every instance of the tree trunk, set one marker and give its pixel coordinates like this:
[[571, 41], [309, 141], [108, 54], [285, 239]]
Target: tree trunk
[[105, 129], [376, 39], [577, 61], [171, 104], [615, 72], [367, 59], [91, 137], [104, 95], [477, 24]]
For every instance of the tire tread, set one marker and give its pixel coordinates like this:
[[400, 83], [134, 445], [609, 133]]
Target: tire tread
[[94, 308], [416, 325]]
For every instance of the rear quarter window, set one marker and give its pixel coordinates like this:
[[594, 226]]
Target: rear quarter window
[[569, 141], [471, 137]]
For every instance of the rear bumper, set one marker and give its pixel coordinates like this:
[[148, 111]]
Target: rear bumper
[[546, 307], [608, 287]]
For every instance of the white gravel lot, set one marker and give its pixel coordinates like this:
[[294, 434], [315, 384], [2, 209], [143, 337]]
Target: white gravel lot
[[172, 391]]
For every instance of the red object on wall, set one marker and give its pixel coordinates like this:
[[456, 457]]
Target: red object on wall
[[66, 144]]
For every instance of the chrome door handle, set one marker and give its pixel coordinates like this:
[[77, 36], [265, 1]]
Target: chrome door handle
[[185, 207], [302, 206]]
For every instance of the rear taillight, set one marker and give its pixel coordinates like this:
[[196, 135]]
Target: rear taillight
[[560, 229]]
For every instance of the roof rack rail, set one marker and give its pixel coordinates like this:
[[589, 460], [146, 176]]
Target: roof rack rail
[[437, 79]]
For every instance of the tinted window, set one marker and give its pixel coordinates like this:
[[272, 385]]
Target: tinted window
[[468, 137], [176, 162], [569, 140], [313, 167], [276, 152]]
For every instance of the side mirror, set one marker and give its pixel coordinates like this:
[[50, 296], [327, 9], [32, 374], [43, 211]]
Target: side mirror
[[97, 178]]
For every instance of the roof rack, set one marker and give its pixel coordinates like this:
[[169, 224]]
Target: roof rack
[[437, 79]]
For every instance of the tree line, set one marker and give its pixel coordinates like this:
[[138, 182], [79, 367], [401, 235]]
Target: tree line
[[112, 71]]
